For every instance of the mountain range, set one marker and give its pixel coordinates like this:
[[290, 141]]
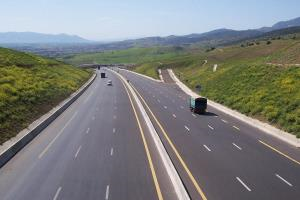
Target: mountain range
[[31, 37], [63, 44]]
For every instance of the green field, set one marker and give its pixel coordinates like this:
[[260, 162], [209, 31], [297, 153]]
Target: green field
[[127, 56], [30, 86], [259, 79]]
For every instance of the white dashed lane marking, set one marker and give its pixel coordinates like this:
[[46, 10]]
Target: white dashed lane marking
[[223, 120], [57, 193], [208, 149], [212, 128], [236, 146], [187, 128], [77, 152], [241, 182], [107, 192], [285, 181]]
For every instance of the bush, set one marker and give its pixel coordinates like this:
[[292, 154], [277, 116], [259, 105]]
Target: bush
[[268, 42]]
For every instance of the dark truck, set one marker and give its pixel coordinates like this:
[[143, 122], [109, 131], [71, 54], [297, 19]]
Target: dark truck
[[198, 105], [102, 74]]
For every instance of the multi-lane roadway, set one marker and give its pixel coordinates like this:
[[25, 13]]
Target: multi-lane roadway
[[101, 148]]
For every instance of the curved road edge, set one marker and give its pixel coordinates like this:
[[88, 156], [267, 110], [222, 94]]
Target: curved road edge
[[15, 144]]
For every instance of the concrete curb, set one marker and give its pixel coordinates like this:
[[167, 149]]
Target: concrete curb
[[148, 77], [15, 144], [170, 168], [267, 128]]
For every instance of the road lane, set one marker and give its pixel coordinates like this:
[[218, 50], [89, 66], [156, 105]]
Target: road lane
[[217, 172], [78, 163]]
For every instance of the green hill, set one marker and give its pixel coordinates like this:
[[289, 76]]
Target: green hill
[[261, 80], [30, 86], [258, 77]]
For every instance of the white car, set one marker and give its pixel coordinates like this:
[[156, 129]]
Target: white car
[[109, 82]]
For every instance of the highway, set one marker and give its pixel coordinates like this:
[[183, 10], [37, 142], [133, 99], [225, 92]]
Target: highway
[[101, 148], [219, 157], [94, 150]]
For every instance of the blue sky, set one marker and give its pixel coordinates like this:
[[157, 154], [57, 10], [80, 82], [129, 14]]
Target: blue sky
[[121, 19]]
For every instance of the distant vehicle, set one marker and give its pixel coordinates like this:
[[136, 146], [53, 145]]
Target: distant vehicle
[[109, 82], [198, 105], [98, 67], [102, 74]]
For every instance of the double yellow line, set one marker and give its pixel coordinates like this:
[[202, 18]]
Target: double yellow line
[[157, 187], [189, 173]]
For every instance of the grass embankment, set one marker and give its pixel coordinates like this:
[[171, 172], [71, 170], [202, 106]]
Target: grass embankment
[[30, 86], [243, 80]]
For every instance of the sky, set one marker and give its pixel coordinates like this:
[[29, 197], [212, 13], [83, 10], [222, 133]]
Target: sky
[[125, 19]]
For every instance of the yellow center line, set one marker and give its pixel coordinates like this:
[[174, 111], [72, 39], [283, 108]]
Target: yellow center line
[[283, 154], [196, 185], [158, 190]]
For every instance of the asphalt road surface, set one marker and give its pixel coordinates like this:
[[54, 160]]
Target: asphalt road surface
[[227, 158], [100, 148], [94, 150]]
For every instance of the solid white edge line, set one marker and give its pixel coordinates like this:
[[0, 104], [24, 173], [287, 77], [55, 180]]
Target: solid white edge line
[[169, 166], [57, 193], [237, 128], [237, 146], [208, 149], [107, 192], [243, 184], [288, 183]]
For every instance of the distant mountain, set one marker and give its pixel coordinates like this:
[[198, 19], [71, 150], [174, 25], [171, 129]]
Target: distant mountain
[[34, 38], [282, 25], [75, 44]]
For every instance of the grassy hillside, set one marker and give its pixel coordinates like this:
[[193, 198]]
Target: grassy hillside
[[245, 82], [30, 86], [258, 78]]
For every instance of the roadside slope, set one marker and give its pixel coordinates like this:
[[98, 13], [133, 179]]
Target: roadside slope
[[244, 80], [30, 86]]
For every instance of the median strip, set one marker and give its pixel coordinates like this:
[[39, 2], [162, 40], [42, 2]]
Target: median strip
[[173, 174], [182, 162]]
